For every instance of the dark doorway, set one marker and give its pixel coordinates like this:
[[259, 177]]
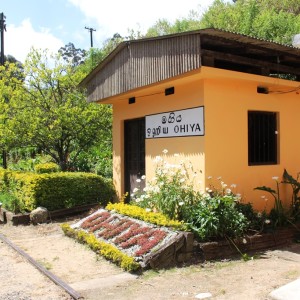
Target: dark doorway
[[134, 147]]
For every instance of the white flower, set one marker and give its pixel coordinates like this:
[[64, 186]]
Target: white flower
[[157, 159], [143, 177], [228, 191], [183, 172], [223, 185], [137, 200], [138, 180], [267, 221], [238, 197], [233, 186], [148, 209], [135, 190], [244, 241], [275, 178], [181, 203], [165, 151], [259, 215], [182, 180]]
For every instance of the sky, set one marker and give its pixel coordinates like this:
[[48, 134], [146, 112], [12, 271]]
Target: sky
[[51, 24]]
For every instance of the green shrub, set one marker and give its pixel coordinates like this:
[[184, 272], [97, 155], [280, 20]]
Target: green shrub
[[46, 168], [11, 202], [57, 190], [216, 217], [171, 190]]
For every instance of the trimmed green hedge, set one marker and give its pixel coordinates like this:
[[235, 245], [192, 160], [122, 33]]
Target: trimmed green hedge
[[46, 168], [56, 190]]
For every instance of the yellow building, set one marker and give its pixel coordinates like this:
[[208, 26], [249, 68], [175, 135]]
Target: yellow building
[[215, 98]]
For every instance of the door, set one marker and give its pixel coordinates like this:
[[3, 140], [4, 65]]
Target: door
[[134, 147]]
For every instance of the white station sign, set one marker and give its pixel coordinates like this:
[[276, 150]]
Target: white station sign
[[187, 122]]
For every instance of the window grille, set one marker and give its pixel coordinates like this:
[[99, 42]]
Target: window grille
[[262, 138]]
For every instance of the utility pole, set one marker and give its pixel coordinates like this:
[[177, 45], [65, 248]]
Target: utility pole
[[2, 29], [91, 34]]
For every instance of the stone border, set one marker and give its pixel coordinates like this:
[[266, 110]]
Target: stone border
[[24, 219], [259, 242]]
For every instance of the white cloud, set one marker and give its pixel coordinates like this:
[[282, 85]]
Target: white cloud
[[119, 15], [18, 40]]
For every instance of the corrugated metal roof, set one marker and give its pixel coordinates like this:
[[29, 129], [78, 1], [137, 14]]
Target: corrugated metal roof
[[142, 62]]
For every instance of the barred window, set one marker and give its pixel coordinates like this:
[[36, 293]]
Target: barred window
[[262, 138]]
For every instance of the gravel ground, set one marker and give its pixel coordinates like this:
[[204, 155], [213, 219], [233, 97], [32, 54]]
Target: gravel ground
[[95, 278], [21, 281]]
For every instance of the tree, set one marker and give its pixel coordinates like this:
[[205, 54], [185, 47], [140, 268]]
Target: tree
[[163, 26], [50, 113], [273, 20], [72, 55]]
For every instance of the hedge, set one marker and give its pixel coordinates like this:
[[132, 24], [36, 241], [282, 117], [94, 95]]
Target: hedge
[[57, 190]]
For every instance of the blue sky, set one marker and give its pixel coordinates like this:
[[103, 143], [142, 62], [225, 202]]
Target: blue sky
[[51, 24]]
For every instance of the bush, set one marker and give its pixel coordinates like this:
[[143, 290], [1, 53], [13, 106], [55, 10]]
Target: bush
[[46, 168], [57, 190], [216, 217], [171, 191], [11, 203]]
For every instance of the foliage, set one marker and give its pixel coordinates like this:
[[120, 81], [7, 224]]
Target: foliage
[[49, 112], [163, 26], [171, 191], [145, 215], [46, 168], [11, 202], [257, 220], [295, 184], [56, 190], [273, 20], [94, 56], [278, 214], [216, 217], [73, 55], [210, 214], [108, 251], [97, 159]]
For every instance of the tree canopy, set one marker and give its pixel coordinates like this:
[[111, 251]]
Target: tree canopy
[[49, 112], [273, 20]]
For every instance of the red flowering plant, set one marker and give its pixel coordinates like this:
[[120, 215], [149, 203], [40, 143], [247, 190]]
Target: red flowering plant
[[133, 237]]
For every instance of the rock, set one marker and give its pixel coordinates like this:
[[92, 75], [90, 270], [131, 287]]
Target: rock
[[39, 215], [203, 296]]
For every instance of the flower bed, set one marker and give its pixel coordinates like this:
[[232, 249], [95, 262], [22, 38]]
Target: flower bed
[[133, 237]]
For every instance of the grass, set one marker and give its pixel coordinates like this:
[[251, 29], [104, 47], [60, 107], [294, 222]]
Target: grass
[[47, 265]]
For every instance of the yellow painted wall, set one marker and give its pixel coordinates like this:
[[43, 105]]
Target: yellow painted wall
[[223, 151], [227, 102]]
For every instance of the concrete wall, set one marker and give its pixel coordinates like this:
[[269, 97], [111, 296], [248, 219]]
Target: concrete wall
[[227, 96]]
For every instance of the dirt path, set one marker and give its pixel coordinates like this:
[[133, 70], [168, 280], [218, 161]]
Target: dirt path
[[95, 278]]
